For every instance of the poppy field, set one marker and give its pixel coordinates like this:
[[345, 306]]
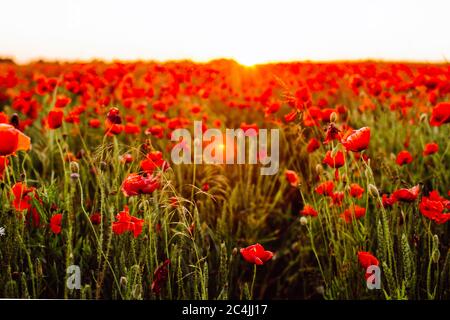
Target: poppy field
[[94, 207]]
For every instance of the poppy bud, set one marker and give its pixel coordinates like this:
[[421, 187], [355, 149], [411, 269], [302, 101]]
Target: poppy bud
[[333, 117], [137, 291], [80, 154], [113, 116], [123, 282], [423, 118], [373, 191], [74, 167], [436, 254], [319, 169], [303, 221], [234, 252], [393, 157], [15, 120]]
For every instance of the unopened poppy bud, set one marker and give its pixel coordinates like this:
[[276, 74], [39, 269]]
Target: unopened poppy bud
[[333, 117], [74, 167], [15, 120], [373, 190], [137, 291], [234, 252], [123, 282], [435, 254], [319, 169], [423, 118], [80, 154], [303, 221]]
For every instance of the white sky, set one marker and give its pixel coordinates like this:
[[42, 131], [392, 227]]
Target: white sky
[[251, 31]]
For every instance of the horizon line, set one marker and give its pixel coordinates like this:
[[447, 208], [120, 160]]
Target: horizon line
[[12, 59]]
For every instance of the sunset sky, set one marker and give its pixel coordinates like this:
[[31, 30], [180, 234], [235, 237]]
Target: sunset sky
[[246, 30]]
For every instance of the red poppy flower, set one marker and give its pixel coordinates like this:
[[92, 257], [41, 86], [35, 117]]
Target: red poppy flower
[[113, 122], [303, 97], [290, 116], [153, 161], [96, 218], [94, 123], [356, 190], [388, 201], [435, 207], [325, 188], [353, 212], [404, 157], [334, 162], [337, 198], [156, 131], [160, 276], [332, 133], [357, 140], [23, 200], [205, 187], [308, 210], [313, 145], [12, 140], [406, 195], [131, 128], [22, 196], [135, 184], [430, 148], [55, 223], [125, 222], [366, 259], [291, 177], [61, 102], [440, 114], [256, 254], [55, 118]]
